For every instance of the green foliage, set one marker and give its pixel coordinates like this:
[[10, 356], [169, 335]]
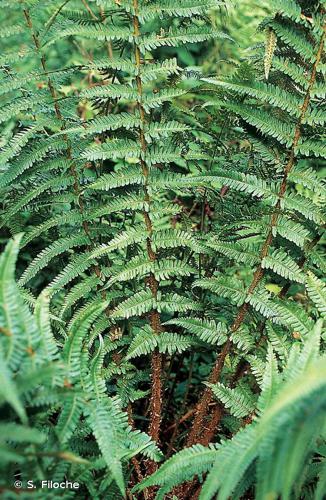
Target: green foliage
[[162, 202], [280, 442], [42, 411]]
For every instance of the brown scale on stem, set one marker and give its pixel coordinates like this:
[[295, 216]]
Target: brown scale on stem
[[154, 316]]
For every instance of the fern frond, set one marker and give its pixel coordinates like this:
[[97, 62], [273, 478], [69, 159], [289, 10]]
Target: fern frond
[[239, 403], [317, 292], [264, 92], [42, 260], [206, 330], [228, 288], [27, 159], [295, 39], [122, 240], [294, 317], [137, 305], [77, 332], [114, 149], [76, 267], [292, 231], [103, 123], [307, 177], [168, 8], [181, 467], [124, 177], [305, 207], [146, 342], [235, 251], [94, 31], [155, 70], [281, 263], [108, 425], [138, 266], [69, 417], [176, 37], [113, 91]]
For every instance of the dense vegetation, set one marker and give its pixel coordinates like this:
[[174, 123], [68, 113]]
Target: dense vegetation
[[162, 295]]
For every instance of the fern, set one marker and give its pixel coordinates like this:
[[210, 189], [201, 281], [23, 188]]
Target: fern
[[161, 191], [26, 382], [206, 330], [282, 264], [279, 412], [316, 290], [237, 401]]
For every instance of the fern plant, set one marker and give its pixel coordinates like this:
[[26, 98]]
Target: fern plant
[[278, 118], [168, 221], [281, 451], [53, 397]]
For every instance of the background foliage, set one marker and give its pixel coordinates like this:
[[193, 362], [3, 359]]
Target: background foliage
[[162, 289]]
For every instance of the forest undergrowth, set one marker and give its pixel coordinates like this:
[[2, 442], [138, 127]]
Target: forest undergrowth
[[162, 269]]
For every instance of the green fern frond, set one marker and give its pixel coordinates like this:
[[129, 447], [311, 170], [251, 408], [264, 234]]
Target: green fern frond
[[236, 251], [145, 342], [294, 38], [49, 253], [173, 302], [113, 91], [94, 31], [80, 290], [178, 37], [238, 401], [292, 231], [103, 123], [308, 177], [180, 467], [228, 288], [122, 240], [281, 263], [77, 266], [317, 292], [108, 426], [155, 70], [124, 177], [166, 8], [137, 305], [29, 158], [312, 148], [206, 330], [114, 149], [305, 207], [264, 92], [294, 317]]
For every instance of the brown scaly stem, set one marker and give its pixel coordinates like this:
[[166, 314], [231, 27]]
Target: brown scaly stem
[[154, 316], [202, 407], [59, 116]]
